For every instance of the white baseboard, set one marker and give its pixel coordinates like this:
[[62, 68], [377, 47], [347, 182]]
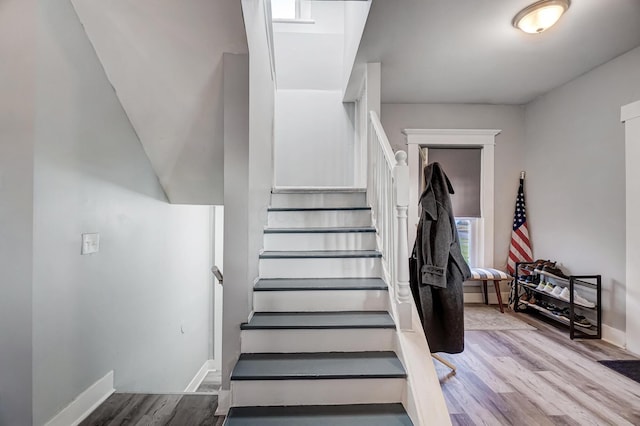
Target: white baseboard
[[209, 365], [614, 336], [85, 403], [493, 299], [224, 402]]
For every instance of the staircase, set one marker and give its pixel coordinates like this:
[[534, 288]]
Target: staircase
[[320, 348]]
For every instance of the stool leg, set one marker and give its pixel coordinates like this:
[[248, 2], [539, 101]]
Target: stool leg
[[486, 294], [497, 285]]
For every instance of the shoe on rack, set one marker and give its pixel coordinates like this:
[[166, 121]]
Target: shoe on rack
[[580, 320], [524, 298], [549, 288], [532, 266], [546, 264], [564, 295], [533, 300], [557, 291], [579, 300], [565, 313], [554, 271], [541, 286]]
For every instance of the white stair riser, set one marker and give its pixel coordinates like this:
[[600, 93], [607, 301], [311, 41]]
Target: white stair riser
[[316, 392], [320, 301], [334, 340], [341, 267], [320, 241], [322, 199], [318, 218]]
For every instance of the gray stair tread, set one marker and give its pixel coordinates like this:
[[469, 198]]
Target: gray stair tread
[[336, 230], [323, 365], [302, 284], [320, 254], [320, 415], [304, 209], [318, 320]]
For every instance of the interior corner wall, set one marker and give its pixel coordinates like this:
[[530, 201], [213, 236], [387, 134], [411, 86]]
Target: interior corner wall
[[140, 306], [236, 293], [17, 103], [314, 129], [509, 149], [249, 105], [576, 179]]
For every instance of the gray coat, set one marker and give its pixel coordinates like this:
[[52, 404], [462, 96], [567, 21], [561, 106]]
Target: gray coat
[[439, 269]]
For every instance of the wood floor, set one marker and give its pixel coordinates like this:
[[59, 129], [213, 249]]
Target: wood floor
[[537, 377], [510, 377], [127, 409]]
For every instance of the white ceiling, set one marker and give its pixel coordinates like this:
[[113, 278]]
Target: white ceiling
[[466, 51]]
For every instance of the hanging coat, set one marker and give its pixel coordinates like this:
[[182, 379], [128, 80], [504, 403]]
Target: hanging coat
[[438, 268]]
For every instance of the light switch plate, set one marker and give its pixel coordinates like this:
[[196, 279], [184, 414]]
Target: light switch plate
[[90, 243]]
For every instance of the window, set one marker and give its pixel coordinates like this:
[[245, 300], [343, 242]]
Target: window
[[290, 10], [284, 9], [469, 243]]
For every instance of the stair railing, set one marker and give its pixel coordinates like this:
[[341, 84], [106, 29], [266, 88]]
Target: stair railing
[[388, 196]]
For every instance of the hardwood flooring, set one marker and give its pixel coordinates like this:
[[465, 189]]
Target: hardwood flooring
[[537, 377], [127, 409], [506, 377]]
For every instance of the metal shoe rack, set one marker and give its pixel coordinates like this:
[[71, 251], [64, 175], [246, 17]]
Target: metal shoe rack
[[585, 284]]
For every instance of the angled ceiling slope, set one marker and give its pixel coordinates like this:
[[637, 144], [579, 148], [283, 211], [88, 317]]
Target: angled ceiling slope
[[467, 51], [164, 60]]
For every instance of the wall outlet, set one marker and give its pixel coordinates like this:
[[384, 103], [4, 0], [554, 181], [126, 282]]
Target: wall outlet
[[90, 243]]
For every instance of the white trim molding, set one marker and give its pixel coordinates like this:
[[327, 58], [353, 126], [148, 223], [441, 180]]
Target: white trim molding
[[614, 336], [630, 114], [630, 111], [224, 402], [84, 404], [194, 384], [419, 139]]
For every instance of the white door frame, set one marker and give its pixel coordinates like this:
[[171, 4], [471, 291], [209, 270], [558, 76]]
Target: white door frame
[[419, 139], [630, 115]]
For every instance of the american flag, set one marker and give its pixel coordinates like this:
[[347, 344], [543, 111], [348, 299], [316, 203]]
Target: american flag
[[520, 248]]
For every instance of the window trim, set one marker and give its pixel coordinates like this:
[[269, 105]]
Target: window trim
[[419, 140]]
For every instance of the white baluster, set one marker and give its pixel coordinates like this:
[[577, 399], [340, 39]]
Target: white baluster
[[403, 290]]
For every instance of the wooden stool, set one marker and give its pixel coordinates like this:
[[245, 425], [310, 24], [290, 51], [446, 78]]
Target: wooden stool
[[490, 274]]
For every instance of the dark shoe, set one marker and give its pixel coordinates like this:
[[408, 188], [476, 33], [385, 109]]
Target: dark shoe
[[532, 266], [545, 264], [554, 272]]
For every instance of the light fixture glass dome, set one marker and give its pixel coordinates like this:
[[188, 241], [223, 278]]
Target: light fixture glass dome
[[541, 15]]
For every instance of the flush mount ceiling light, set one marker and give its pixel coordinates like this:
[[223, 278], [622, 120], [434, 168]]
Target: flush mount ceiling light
[[541, 15]]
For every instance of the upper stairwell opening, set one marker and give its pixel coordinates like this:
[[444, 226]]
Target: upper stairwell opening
[[314, 130]]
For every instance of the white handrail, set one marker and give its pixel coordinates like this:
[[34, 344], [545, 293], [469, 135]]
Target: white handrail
[[388, 195]]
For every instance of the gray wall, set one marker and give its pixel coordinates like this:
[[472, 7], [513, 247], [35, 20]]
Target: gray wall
[[140, 305], [576, 176], [248, 175], [17, 98], [509, 149]]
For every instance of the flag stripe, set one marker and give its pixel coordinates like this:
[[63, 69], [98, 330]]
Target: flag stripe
[[520, 247]]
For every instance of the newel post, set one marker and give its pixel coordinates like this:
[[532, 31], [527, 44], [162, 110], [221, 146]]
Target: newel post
[[402, 289]]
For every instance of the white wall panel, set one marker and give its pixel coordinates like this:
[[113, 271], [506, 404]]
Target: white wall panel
[[314, 139]]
